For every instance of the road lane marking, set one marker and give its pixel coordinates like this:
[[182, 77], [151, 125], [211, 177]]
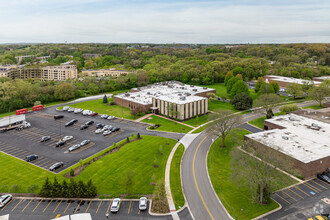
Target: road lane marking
[[27, 205], [37, 205], [139, 211], [319, 184], [57, 206], [289, 196], [48, 205], [98, 207], [109, 206], [129, 208], [16, 205], [283, 198], [67, 206], [301, 190], [296, 193], [77, 207], [89, 206], [6, 205], [194, 174]]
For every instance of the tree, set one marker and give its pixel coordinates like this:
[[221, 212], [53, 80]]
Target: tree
[[267, 102], [275, 86], [225, 121], [105, 99], [266, 89], [65, 189], [46, 189], [228, 76], [289, 108], [319, 93], [72, 189], [231, 83], [239, 87], [91, 189], [294, 89], [242, 101], [258, 84], [56, 188], [64, 91], [307, 86]]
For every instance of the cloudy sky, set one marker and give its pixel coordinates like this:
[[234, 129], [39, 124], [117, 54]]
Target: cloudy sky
[[164, 21]]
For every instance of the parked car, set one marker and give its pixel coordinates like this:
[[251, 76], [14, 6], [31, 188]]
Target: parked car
[[58, 117], [5, 199], [71, 122], [107, 127], [99, 125], [78, 110], [67, 138], [83, 127], [87, 112], [116, 129], [89, 123], [65, 108], [104, 116], [60, 143], [45, 138], [143, 203], [115, 205], [100, 130], [323, 177], [94, 114], [111, 117], [85, 142], [56, 166], [71, 109], [106, 132], [31, 157], [74, 147]]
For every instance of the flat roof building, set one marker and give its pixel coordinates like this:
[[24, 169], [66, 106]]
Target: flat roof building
[[285, 81], [173, 99], [303, 141], [321, 78], [105, 72]]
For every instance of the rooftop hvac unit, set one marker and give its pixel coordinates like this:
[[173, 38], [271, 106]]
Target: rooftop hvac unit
[[195, 90], [285, 137], [204, 88], [187, 94], [192, 86], [148, 93], [179, 94], [314, 125], [291, 118], [183, 98], [127, 94]]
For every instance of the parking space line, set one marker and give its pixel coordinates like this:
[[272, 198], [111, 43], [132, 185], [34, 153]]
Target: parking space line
[[320, 181], [302, 191], [283, 198], [296, 193], [89, 206], [139, 211], [48, 205], [109, 206], [319, 184], [58, 205], [77, 207], [6, 205], [98, 207], [37, 205], [27, 205], [289, 196], [129, 208], [310, 187], [17, 205], [313, 187], [68, 206]]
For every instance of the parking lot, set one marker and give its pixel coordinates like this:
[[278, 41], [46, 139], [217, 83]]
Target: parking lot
[[20, 208]]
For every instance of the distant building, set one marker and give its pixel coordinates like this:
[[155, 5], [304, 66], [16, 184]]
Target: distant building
[[285, 81], [91, 55], [105, 72], [321, 78], [21, 58], [173, 99], [4, 70], [300, 141]]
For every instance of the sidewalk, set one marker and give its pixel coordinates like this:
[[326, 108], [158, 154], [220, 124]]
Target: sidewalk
[[144, 117]]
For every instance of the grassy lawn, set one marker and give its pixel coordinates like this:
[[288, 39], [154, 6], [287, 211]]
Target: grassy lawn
[[259, 122], [138, 158], [101, 108], [236, 199], [215, 105], [175, 178], [167, 125], [315, 107]]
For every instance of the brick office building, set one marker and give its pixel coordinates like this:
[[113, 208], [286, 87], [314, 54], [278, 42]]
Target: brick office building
[[300, 141], [173, 99]]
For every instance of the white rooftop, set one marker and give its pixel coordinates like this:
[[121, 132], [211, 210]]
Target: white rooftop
[[303, 138], [291, 80], [169, 91]]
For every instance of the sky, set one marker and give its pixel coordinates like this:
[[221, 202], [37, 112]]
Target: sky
[[166, 21]]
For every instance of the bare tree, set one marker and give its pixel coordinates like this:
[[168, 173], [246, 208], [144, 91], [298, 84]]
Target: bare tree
[[268, 102], [319, 93], [225, 121]]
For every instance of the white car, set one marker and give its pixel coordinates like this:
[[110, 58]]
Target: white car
[[106, 132], [74, 147], [67, 138], [65, 108], [100, 130], [104, 116], [71, 109], [143, 203], [78, 110], [5, 199], [87, 112], [115, 205], [111, 117]]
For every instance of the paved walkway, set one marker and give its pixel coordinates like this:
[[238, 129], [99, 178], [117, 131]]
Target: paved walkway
[[144, 117]]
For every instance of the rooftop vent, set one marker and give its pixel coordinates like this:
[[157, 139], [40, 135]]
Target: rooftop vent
[[204, 88], [192, 86], [148, 93], [291, 118], [183, 98], [195, 90], [285, 137], [179, 94], [315, 126], [127, 94]]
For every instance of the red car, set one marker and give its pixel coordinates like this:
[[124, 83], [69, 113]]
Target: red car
[[94, 113]]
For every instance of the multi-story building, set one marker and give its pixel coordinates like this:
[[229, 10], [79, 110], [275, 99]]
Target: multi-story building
[[283, 81], [105, 72], [173, 99], [21, 58], [4, 70]]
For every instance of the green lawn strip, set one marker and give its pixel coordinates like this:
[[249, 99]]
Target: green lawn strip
[[215, 105], [167, 125], [139, 158], [315, 107], [175, 178], [101, 108], [196, 121], [235, 198], [259, 122]]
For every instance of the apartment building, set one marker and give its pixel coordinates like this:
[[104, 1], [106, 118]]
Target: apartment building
[[105, 72]]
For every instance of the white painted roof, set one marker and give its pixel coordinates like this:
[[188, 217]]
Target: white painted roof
[[81, 216], [4, 217], [290, 80], [298, 139], [164, 92]]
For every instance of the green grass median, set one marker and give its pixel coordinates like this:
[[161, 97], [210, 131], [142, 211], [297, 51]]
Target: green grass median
[[167, 125], [259, 122], [175, 178]]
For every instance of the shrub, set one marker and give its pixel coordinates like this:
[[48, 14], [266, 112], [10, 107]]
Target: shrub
[[242, 101], [15, 188], [105, 99], [127, 139], [138, 135], [289, 108], [71, 172], [33, 188]]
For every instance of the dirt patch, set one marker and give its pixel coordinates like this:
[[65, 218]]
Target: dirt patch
[[160, 153], [155, 166], [79, 169]]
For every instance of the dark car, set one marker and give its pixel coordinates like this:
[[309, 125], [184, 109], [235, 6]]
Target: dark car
[[31, 157], [55, 166], [71, 122], [85, 142], [44, 138], [323, 177], [58, 116], [94, 114], [99, 125], [89, 123], [60, 143], [83, 127], [116, 129]]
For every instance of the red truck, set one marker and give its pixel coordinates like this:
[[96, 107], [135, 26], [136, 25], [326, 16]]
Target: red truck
[[37, 107], [21, 111]]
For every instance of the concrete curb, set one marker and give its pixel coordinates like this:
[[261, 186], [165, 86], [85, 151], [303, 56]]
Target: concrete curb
[[268, 213]]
